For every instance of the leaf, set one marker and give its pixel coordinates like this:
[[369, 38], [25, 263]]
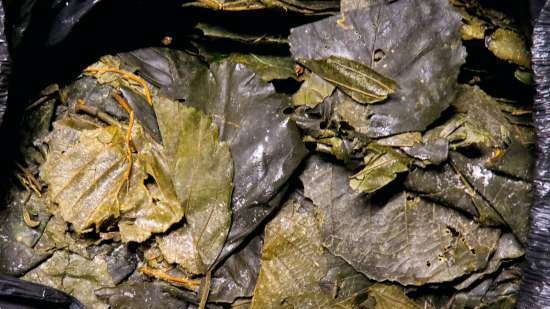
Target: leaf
[[510, 198], [236, 277], [355, 79], [202, 173], [75, 275], [312, 91], [296, 271], [381, 167], [445, 186], [86, 175], [220, 33], [386, 38], [267, 67], [266, 146], [390, 297], [510, 46], [386, 240], [508, 248], [84, 180]]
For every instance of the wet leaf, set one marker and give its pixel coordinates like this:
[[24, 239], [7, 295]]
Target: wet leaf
[[202, 173], [355, 79], [386, 38], [386, 240], [510, 198], [236, 277], [75, 275], [265, 144], [297, 272], [445, 186], [312, 91], [507, 249], [382, 164]]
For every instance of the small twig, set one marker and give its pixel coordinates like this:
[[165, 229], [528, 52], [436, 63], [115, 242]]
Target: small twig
[[187, 283], [205, 289]]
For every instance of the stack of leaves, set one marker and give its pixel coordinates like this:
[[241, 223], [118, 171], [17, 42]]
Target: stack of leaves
[[364, 169]]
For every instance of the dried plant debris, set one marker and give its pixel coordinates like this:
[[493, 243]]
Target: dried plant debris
[[327, 161]]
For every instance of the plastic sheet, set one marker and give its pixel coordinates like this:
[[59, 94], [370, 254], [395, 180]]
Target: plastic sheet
[[535, 291]]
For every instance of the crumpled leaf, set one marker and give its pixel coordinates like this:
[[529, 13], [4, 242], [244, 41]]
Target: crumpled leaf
[[74, 275], [84, 181], [297, 272], [381, 167], [355, 79], [249, 114], [387, 240], [85, 171], [312, 91], [389, 33], [390, 297], [202, 173], [510, 198]]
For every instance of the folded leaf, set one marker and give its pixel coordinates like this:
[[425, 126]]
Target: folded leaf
[[312, 91], [382, 164], [357, 80]]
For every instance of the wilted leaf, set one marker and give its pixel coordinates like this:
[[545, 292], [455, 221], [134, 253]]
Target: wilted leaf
[[382, 164], [75, 275], [297, 272], [510, 198], [84, 180], [387, 39], [265, 144], [387, 240], [202, 173], [445, 186], [355, 79], [312, 91], [87, 182], [390, 297]]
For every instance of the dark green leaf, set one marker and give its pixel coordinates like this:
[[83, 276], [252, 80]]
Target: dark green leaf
[[388, 39]]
